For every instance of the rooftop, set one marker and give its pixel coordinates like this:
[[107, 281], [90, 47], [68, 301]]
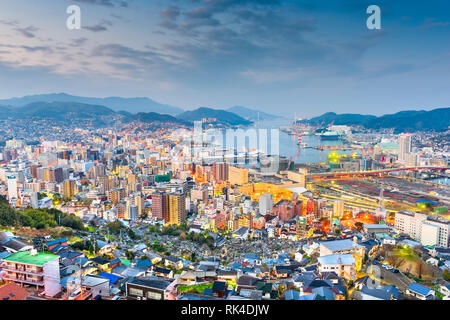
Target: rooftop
[[338, 245], [344, 259], [25, 257]]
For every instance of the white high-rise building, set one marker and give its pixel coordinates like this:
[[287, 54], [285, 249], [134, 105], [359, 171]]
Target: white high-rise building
[[265, 204], [12, 187], [428, 230], [410, 223], [404, 147], [34, 200]]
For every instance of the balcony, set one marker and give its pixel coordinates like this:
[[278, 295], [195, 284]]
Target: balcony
[[23, 270], [23, 280]]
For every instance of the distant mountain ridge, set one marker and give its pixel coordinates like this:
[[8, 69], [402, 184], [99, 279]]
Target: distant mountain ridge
[[69, 111], [132, 105], [251, 114], [222, 116], [151, 117], [340, 119], [437, 119]]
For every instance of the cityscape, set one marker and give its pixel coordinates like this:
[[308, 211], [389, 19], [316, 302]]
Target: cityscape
[[115, 198]]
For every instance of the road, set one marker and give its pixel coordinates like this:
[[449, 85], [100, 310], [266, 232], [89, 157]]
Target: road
[[390, 278]]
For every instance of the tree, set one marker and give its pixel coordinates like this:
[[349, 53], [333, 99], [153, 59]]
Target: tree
[[359, 225], [132, 234], [421, 268], [114, 227], [446, 275], [129, 254], [395, 260]]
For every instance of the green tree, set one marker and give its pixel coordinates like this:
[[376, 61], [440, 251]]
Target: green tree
[[129, 254], [446, 275]]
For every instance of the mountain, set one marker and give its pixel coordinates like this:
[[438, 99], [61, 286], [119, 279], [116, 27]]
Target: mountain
[[220, 116], [151, 117], [132, 105], [437, 119], [340, 119], [65, 111], [5, 112], [251, 114], [61, 110]]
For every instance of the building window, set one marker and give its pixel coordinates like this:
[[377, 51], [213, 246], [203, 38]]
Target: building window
[[136, 292], [154, 295]]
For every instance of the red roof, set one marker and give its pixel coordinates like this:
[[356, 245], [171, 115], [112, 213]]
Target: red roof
[[13, 291]]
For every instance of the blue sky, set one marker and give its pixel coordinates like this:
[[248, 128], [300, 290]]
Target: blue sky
[[304, 57]]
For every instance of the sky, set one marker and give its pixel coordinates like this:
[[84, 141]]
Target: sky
[[302, 57]]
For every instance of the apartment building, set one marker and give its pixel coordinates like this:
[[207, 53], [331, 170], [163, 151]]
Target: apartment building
[[428, 230], [34, 269]]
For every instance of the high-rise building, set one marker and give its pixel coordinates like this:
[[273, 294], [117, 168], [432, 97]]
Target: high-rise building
[[56, 175], [177, 209], [69, 189], [338, 208], [265, 204], [404, 146], [237, 176], [12, 187], [428, 230], [160, 205], [199, 194], [34, 202], [286, 210], [220, 172], [115, 195], [133, 213]]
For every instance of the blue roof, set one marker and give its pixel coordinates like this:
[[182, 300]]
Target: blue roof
[[57, 248], [62, 240], [251, 256], [344, 259], [111, 277], [383, 293], [4, 254], [338, 245], [101, 244], [144, 263], [291, 295], [325, 292], [419, 288], [235, 265], [81, 260]]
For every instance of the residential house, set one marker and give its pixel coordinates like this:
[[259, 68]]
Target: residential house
[[162, 272], [342, 264], [101, 263], [141, 288], [173, 262], [51, 245], [380, 293], [420, 292]]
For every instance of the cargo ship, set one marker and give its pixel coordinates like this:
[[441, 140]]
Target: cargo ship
[[330, 135]]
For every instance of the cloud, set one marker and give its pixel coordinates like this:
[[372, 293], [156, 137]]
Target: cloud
[[432, 23], [106, 3], [28, 32], [101, 26]]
